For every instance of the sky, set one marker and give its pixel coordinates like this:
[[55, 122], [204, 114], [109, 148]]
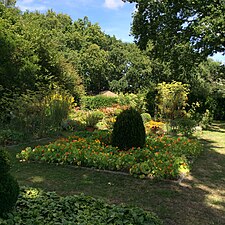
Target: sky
[[113, 16]]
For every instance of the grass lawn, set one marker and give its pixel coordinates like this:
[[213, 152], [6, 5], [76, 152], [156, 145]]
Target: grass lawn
[[198, 199]]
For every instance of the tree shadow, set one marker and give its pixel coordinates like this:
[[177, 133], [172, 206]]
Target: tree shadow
[[206, 184], [217, 126]]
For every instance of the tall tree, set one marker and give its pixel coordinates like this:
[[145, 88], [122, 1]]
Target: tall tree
[[183, 32], [168, 22], [95, 68]]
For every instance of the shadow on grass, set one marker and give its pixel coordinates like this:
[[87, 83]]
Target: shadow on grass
[[198, 199], [217, 126]]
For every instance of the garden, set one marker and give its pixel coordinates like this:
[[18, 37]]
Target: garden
[[161, 157], [125, 140], [99, 131]]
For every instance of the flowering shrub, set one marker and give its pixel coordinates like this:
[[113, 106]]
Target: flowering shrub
[[161, 157], [114, 110], [154, 127]]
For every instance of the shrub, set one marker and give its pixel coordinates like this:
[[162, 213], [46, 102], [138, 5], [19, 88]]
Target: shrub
[[10, 136], [9, 191], [150, 99], [98, 101], [207, 119], [9, 188], [4, 162], [93, 118], [128, 130], [184, 126], [57, 105], [172, 99], [36, 116], [73, 125], [146, 117], [136, 101]]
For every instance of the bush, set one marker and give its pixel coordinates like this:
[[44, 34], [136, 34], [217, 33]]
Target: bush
[[93, 118], [172, 100], [98, 101], [10, 136], [136, 101], [4, 162], [128, 130], [36, 116], [184, 126], [57, 109], [150, 99], [146, 117], [9, 191], [73, 125], [9, 188], [207, 119]]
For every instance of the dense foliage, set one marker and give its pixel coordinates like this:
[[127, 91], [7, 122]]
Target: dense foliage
[[37, 207], [98, 101], [180, 35], [4, 162], [9, 191], [180, 30], [128, 130], [41, 53], [161, 157], [9, 188]]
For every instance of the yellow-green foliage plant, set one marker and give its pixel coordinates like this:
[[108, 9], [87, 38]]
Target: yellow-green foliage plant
[[57, 107], [172, 100]]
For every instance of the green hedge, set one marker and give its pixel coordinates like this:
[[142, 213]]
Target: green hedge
[[136, 101], [98, 101]]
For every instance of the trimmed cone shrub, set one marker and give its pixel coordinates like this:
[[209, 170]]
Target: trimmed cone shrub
[[9, 188], [128, 130]]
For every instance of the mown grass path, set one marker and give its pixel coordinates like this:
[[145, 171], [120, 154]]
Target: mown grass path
[[198, 200]]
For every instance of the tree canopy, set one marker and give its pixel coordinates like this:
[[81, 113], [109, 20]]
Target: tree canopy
[[171, 23], [183, 32], [44, 51]]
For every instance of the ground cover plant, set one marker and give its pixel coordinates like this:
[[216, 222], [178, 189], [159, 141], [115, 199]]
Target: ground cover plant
[[161, 157], [37, 207]]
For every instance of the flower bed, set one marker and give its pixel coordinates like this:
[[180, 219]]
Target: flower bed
[[37, 207], [162, 157]]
